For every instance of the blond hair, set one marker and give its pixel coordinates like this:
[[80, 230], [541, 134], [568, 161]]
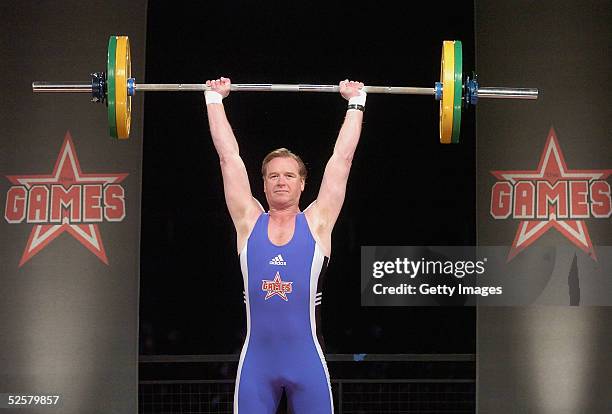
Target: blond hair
[[285, 153]]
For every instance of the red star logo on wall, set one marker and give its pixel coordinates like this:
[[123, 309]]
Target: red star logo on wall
[[552, 168], [67, 172]]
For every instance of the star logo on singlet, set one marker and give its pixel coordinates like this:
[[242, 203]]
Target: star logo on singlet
[[276, 287]]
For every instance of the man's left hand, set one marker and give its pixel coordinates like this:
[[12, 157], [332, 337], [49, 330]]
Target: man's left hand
[[350, 89]]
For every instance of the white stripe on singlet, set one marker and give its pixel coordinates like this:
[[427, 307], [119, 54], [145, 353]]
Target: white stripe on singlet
[[245, 275], [315, 271]]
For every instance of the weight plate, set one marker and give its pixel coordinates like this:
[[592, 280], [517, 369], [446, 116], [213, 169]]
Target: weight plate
[[123, 102], [458, 90], [447, 78], [110, 85]]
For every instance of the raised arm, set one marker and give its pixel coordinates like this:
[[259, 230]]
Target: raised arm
[[327, 206], [243, 208]]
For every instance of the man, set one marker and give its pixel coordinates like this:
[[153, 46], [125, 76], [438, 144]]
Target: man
[[283, 255]]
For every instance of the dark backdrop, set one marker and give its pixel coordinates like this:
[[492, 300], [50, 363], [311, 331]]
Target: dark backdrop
[[405, 187]]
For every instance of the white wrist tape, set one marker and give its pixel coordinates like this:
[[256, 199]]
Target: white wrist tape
[[213, 97], [359, 99]]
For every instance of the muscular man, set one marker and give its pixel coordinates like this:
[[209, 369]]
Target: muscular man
[[283, 255]]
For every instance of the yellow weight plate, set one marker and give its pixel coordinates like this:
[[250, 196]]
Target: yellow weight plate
[[447, 78], [123, 102]]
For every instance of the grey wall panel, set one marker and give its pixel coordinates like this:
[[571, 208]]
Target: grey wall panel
[[545, 359], [68, 320]]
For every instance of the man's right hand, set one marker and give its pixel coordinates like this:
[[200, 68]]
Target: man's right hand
[[221, 86]]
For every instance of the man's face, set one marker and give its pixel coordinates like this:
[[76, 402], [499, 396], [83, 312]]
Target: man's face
[[282, 183]]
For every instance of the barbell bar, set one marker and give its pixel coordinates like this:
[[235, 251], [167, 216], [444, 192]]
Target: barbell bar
[[116, 86]]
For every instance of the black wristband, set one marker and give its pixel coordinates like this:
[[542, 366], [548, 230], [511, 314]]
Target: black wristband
[[356, 106]]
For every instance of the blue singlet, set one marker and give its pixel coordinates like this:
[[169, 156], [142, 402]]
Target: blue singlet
[[282, 347]]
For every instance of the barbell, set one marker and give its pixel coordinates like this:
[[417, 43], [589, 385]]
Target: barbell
[[116, 86]]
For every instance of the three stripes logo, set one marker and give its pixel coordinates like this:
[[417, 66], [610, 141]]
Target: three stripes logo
[[318, 298], [278, 261]]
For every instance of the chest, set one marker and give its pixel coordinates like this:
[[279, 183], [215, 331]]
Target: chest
[[281, 232]]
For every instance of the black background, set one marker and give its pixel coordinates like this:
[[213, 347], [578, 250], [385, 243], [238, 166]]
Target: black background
[[405, 188]]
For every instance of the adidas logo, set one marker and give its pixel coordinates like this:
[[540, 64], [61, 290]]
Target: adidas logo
[[278, 261]]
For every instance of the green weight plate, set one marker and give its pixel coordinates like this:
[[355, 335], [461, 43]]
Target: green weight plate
[[110, 85], [458, 92]]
